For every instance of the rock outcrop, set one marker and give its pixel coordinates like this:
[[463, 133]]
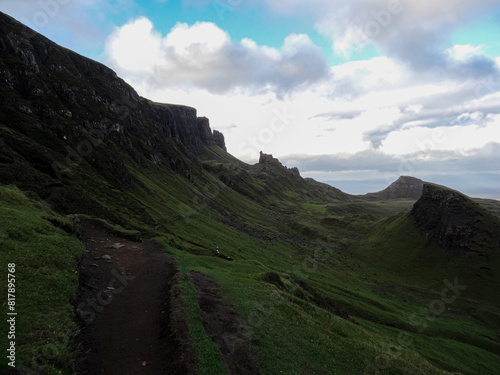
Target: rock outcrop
[[209, 137], [269, 160], [455, 221]]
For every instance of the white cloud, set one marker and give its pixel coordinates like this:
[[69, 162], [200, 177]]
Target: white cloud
[[446, 138], [202, 38], [204, 56], [358, 106], [463, 51], [135, 47]]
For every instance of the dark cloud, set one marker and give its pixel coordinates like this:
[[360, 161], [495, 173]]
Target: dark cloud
[[484, 160], [340, 114], [414, 32]]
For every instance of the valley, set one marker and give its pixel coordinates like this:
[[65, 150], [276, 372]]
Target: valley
[[265, 272]]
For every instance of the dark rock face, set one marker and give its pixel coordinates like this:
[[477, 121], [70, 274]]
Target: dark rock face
[[208, 137], [456, 222], [269, 159], [404, 187], [72, 97]]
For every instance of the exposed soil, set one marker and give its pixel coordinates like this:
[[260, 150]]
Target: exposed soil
[[129, 314], [224, 326]]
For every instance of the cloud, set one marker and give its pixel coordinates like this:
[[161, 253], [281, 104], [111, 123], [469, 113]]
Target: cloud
[[383, 104], [458, 138], [204, 56], [426, 54], [414, 32], [380, 96]]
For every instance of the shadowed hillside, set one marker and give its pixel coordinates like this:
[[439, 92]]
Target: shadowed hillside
[[455, 221]]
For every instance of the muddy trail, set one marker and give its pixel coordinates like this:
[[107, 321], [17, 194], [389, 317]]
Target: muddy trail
[[127, 309]]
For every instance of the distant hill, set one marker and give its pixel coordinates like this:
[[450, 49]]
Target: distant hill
[[404, 187]]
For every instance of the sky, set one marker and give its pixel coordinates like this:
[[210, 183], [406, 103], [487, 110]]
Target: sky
[[354, 93]]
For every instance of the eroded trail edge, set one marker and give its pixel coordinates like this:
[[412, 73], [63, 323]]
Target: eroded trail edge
[[131, 322], [224, 326]]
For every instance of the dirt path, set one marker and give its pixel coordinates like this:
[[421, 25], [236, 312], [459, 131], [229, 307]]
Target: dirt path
[[125, 307]]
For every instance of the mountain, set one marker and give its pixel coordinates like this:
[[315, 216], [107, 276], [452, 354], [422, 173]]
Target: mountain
[[62, 113], [403, 187], [267, 272]]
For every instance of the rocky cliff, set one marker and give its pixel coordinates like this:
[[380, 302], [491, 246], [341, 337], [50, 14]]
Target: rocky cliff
[[455, 221], [279, 178], [73, 97], [76, 135], [269, 160]]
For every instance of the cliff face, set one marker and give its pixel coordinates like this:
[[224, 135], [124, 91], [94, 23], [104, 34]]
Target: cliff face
[[267, 161], [71, 96], [76, 135], [455, 221], [208, 137]]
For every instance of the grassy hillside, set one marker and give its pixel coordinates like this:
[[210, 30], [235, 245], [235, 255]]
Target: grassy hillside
[[350, 291], [45, 250]]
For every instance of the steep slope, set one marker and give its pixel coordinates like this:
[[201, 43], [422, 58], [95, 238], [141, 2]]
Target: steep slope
[[64, 117], [40, 253], [455, 221]]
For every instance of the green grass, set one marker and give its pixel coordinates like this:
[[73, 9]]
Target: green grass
[[375, 271], [328, 265], [208, 357], [46, 281], [491, 205], [321, 208], [333, 255]]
